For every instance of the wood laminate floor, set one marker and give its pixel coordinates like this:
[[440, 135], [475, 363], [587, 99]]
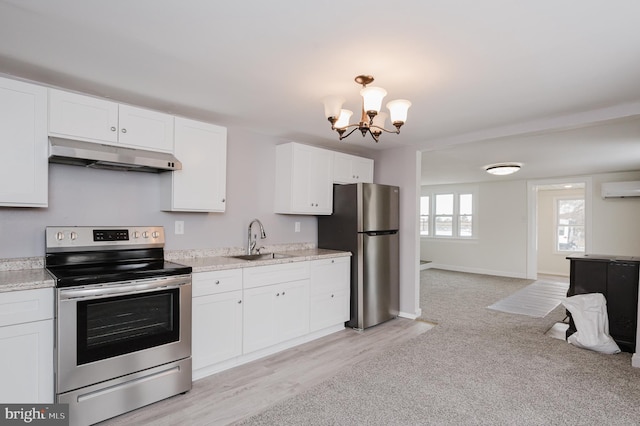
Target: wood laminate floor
[[241, 392]]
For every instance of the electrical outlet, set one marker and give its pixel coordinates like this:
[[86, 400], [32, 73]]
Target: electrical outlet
[[297, 227], [179, 227]]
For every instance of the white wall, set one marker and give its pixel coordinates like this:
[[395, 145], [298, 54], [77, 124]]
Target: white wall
[[80, 196], [615, 220], [502, 241], [501, 232], [401, 167]]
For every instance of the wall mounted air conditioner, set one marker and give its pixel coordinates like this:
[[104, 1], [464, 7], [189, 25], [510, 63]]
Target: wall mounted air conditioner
[[621, 189]]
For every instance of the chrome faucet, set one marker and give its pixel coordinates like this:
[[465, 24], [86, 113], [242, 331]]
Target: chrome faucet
[[251, 243]]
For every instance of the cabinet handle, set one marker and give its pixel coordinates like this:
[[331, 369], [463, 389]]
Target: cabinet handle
[[113, 129], [239, 301], [217, 282], [333, 261], [223, 200], [283, 293], [277, 294], [124, 130], [332, 295]]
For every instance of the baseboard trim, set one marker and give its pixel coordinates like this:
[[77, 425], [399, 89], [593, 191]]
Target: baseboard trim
[[426, 265], [411, 316], [477, 270], [635, 360]]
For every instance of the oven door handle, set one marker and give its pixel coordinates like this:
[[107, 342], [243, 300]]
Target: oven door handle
[[130, 287]]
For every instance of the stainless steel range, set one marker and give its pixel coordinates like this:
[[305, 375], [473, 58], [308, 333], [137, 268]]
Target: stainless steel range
[[123, 320]]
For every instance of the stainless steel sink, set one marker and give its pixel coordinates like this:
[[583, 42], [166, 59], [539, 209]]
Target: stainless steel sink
[[262, 256]]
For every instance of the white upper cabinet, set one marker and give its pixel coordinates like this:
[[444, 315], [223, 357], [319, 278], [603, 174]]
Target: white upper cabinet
[[74, 116], [23, 144], [201, 184], [304, 180], [351, 169], [143, 128]]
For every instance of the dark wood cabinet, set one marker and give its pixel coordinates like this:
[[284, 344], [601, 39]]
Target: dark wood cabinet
[[616, 278]]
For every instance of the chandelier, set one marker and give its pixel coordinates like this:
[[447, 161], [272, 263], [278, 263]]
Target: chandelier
[[372, 119]]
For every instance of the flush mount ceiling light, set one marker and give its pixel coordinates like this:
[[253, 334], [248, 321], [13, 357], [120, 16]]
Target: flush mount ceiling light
[[371, 120], [502, 169]]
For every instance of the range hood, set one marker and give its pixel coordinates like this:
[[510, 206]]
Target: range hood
[[98, 156]]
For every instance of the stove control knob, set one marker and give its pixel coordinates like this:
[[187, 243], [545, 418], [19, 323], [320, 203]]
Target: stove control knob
[[60, 236], [74, 235], [136, 234], [155, 234], [145, 234]]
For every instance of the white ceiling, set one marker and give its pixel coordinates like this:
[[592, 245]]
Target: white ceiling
[[551, 84]]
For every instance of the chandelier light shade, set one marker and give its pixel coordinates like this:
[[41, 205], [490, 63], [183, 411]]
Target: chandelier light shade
[[502, 169], [343, 118], [372, 120]]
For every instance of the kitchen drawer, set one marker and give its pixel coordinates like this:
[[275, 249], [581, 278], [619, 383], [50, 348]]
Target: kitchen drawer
[[214, 282], [17, 307], [330, 275], [273, 274]]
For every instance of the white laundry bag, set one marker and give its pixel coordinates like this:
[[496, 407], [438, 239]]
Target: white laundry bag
[[589, 312]]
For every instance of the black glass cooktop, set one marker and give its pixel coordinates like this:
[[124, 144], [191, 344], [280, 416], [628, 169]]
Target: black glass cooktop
[[86, 268]]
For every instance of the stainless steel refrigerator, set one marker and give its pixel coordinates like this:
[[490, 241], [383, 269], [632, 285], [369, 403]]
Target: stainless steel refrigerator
[[365, 222]]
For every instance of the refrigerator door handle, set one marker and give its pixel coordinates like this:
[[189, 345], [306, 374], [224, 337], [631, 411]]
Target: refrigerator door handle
[[375, 233]]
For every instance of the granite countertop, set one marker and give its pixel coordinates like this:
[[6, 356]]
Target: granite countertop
[[29, 273], [219, 263]]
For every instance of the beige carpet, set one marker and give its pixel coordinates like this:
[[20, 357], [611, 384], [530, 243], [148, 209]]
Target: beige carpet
[[475, 367]]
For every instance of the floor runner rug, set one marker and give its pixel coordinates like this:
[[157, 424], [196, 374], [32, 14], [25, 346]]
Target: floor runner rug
[[535, 300]]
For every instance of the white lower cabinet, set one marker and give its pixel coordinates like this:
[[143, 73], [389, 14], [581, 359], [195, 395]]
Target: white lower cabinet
[[216, 334], [26, 345], [330, 292], [217, 328], [275, 313], [243, 314]]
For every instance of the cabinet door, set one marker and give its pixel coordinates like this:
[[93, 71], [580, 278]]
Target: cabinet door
[[328, 309], [622, 300], [143, 128], [259, 318], [27, 363], [292, 309], [362, 170], [23, 144], [351, 169], [217, 328], [588, 277], [82, 117], [201, 184], [312, 179], [321, 182]]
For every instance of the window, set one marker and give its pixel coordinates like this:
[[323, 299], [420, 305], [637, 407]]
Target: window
[[424, 215], [465, 217], [447, 215], [444, 215], [569, 224]]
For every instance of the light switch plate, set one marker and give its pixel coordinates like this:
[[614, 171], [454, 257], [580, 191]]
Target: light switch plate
[[179, 227]]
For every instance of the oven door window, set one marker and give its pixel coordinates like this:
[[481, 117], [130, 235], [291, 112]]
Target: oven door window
[[119, 325]]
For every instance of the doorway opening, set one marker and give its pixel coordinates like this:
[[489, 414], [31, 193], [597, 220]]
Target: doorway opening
[[559, 224]]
